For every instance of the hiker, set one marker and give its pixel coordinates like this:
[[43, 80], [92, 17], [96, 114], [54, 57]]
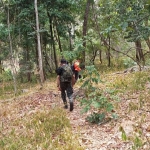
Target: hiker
[[76, 69], [65, 82]]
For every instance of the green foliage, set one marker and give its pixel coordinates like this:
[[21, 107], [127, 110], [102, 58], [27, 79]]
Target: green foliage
[[76, 52], [95, 98], [96, 118], [3, 32], [6, 76], [132, 17], [127, 62]]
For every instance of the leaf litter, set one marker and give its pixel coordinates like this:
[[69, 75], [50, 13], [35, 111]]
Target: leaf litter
[[133, 118]]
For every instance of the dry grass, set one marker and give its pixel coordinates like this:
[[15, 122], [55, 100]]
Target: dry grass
[[35, 121]]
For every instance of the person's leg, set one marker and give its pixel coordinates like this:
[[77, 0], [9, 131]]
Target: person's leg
[[70, 95], [63, 94], [76, 76]]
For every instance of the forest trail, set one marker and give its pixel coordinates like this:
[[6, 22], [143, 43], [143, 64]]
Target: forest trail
[[93, 137]]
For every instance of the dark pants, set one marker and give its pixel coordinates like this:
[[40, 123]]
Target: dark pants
[[76, 73], [66, 88]]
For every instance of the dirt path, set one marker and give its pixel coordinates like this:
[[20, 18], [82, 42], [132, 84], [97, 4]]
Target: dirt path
[[93, 137], [97, 137]]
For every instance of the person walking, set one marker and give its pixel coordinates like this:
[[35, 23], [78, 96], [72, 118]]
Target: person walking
[[76, 69], [65, 82]]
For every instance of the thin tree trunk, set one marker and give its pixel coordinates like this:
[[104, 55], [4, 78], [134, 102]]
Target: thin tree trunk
[[12, 62], [58, 37], [85, 31], [108, 52], [71, 33], [148, 43], [100, 56], [71, 36], [39, 45], [29, 66], [36, 50], [59, 43], [70, 40], [53, 42]]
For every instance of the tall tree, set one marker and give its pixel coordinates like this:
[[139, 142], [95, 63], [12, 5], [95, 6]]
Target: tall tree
[[39, 44], [85, 23], [6, 7], [132, 16]]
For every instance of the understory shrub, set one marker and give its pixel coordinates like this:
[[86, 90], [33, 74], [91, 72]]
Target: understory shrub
[[96, 100]]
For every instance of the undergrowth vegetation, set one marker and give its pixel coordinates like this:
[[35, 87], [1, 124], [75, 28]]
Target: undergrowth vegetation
[[129, 82], [133, 87], [46, 130], [104, 90], [97, 100]]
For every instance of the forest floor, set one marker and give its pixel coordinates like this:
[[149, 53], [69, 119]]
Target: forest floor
[[133, 118]]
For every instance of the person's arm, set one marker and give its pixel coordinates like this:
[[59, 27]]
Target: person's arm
[[58, 71], [73, 80], [58, 82]]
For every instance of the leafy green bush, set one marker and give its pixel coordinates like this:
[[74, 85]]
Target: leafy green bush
[[96, 99]]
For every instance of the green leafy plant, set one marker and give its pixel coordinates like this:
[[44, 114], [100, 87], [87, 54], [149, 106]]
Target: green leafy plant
[[96, 118], [96, 99], [76, 53]]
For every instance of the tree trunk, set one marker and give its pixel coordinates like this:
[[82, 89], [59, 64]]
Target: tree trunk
[[148, 43], [36, 50], [47, 62], [108, 52], [29, 66], [12, 62], [39, 45], [71, 36], [139, 52], [52, 38], [100, 56], [58, 38], [59, 43], [93, 56], [84, 32]]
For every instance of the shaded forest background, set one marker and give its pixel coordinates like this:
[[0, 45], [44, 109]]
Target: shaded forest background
[[34, 35]]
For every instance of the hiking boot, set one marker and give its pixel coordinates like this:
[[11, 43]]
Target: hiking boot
[[71, 106], [66, 106]]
